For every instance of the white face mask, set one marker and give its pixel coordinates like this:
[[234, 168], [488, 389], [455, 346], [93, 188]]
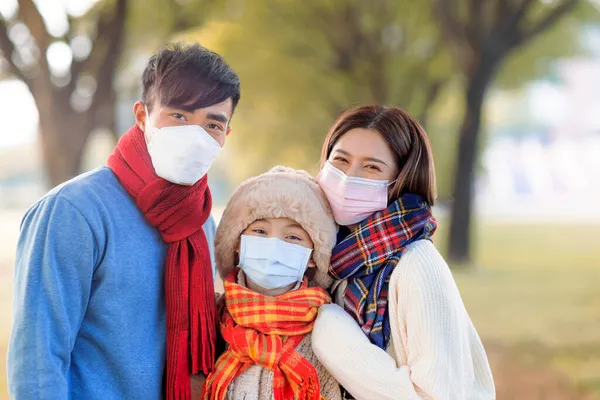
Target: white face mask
[[272, 263], [181, 154]]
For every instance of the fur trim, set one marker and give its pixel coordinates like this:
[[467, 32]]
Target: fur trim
[[280, 193]]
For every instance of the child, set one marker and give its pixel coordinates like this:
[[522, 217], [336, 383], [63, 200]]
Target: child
[[273, 247]]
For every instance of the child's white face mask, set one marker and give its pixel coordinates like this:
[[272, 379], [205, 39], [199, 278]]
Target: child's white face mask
[[272, 263]]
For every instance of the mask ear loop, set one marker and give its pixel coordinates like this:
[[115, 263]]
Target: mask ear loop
[[148, 122], [389, 190], [149, 125]]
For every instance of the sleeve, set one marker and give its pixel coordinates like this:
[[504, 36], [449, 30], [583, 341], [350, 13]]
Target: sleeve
[[443, 350], [209, 230], [56, 256], [438, 335], [362, 368]]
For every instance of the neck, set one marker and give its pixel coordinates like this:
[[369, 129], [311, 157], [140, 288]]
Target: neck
[[268, 292], [352, 227]]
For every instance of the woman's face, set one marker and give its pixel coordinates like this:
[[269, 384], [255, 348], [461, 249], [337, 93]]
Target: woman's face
[[364, 153]]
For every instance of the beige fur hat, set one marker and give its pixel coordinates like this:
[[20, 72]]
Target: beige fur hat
[[280, 193]]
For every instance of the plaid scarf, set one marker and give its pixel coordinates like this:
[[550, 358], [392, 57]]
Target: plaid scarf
[[265, 330], [367, 257]]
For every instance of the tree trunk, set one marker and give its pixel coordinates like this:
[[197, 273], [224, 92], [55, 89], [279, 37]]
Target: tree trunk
[[65, 131], [459, 243], [63, 137]]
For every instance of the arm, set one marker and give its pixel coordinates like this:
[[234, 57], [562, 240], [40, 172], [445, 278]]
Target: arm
[[443, 350], [55, 261], [345, 351], [431, 324]]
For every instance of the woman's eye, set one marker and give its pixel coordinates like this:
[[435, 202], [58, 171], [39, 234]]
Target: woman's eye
[[259, 231], [178, 116], [215, 127], [373, 167], [293, 237], [340, 159]]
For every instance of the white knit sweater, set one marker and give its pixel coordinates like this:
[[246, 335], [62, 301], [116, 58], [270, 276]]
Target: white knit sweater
[[434, 352]]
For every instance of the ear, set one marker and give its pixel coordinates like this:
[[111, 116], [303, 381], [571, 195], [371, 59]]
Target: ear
[[228, 131], [236, 253], [139, 112], [311, 263]]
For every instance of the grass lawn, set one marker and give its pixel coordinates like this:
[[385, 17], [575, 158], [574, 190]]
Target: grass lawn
[[532, 293]]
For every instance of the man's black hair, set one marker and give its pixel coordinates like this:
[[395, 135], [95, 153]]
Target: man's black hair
[[189, 77]]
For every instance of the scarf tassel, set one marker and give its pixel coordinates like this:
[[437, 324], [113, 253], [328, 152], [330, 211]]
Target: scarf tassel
[[178, 376]]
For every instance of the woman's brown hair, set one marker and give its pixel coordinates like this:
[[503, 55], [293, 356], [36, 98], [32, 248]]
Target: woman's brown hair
[[405, 136]]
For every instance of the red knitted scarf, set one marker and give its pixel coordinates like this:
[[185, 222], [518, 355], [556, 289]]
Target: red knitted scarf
[[178, 212]]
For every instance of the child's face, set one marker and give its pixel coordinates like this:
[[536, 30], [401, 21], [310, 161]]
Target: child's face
[[285, 229]]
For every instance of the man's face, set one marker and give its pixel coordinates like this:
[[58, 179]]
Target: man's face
[[214, 119]]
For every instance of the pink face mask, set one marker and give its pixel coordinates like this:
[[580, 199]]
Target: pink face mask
[[352, 199]]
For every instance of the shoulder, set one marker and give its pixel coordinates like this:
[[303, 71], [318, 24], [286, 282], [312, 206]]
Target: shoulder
[[92, 193], [422, 257], [422, 266], [86, 186], [85, 195]]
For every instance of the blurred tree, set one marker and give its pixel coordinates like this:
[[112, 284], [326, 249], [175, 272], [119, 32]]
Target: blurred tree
[[481, 35], [302, 64], [74, 101], [80, 97]]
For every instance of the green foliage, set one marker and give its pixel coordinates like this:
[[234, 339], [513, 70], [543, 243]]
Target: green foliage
[[536, 58], [152, 22], [302, 64]]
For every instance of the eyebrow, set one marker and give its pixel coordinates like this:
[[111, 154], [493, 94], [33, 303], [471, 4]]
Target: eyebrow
[[218, 117], [377, 160]]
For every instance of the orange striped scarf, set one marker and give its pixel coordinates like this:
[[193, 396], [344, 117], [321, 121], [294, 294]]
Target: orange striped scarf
[[265, 330]]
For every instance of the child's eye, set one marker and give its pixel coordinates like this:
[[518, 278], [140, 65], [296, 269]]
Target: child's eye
[[259, 231]]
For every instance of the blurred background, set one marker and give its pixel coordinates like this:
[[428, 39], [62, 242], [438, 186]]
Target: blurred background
[[508, 90]]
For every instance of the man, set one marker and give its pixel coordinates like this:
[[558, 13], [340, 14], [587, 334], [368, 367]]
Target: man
[[113, 282]]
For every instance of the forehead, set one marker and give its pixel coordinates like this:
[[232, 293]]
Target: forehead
[[278, 221], [364, 143], [223, 108]]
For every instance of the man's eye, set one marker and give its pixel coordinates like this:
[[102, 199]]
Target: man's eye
[[214, 127], [180, 117]]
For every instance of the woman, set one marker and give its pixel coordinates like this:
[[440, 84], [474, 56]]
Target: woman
[[403, 331]]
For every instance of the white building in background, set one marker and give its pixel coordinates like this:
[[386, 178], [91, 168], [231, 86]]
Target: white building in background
[[543, 157]]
